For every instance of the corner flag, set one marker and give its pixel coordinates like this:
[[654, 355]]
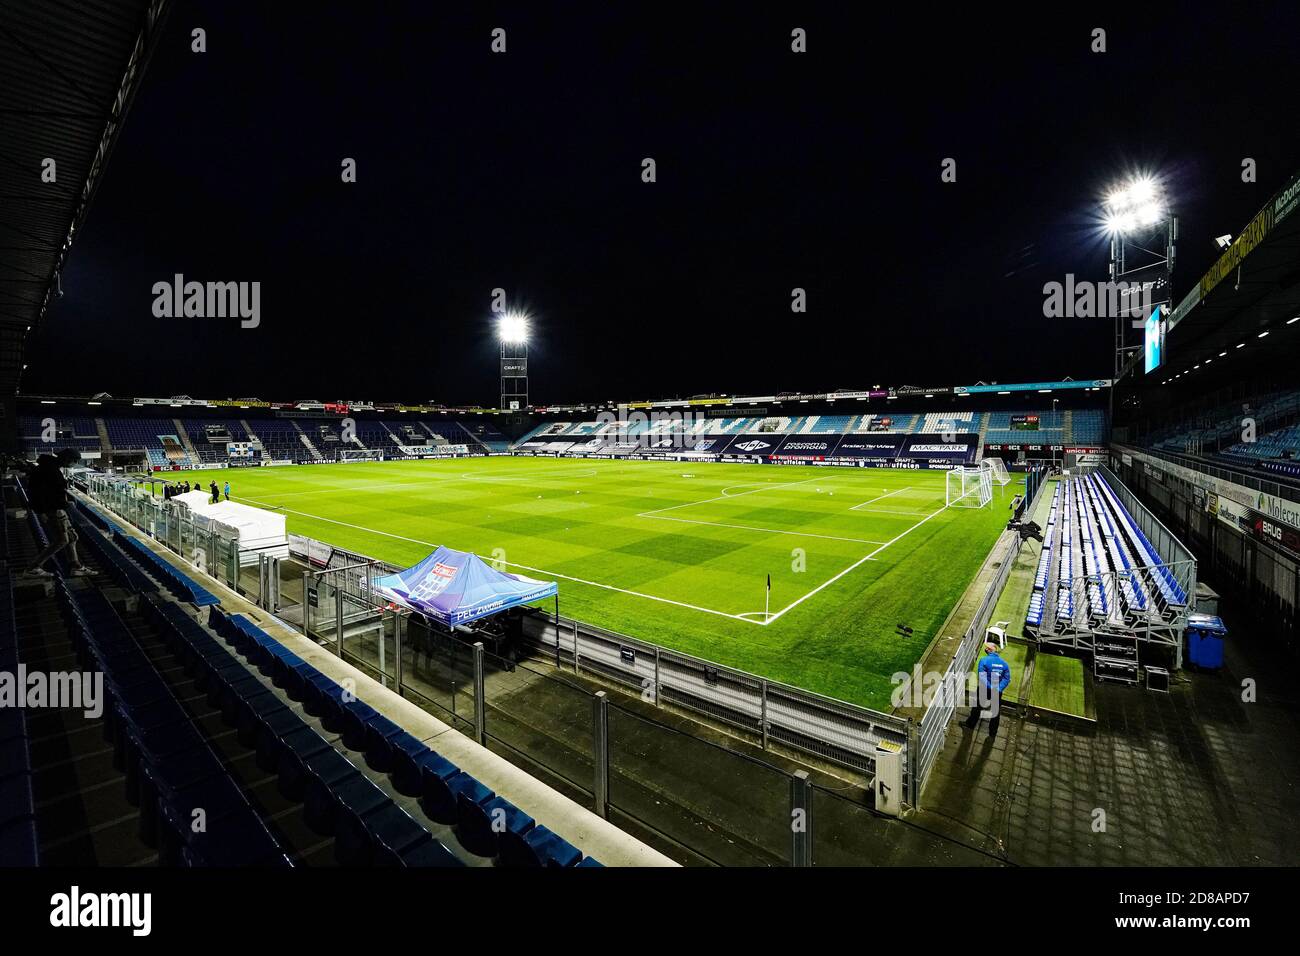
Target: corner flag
[[767, 597]]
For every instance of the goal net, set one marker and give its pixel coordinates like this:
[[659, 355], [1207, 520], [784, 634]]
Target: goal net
[[360, 454], [998, 470], [970, 487]]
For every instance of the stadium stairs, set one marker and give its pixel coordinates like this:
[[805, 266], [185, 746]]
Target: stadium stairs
[[216, 705], [183, 434], [105, 444], [307, 443]]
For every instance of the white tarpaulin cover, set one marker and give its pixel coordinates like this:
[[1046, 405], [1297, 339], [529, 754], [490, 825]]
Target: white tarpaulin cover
[[258, 528]]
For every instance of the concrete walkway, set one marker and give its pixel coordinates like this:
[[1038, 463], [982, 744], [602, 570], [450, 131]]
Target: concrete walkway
[[1196, 777]]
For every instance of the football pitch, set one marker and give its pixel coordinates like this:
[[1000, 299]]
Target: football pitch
[[678, 553]]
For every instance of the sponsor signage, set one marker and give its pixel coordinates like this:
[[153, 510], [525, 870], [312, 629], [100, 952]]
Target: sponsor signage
[[1282, 204], [1033, 386], [807, 446], [751, 445], [865, 446]]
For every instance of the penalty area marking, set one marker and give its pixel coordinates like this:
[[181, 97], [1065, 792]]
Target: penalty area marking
[[745, 527], [856, 564], [739, 494], [524, 567], [534, 476], [879, 497]]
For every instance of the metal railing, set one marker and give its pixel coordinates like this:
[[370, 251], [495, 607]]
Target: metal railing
[[1277, 489], [932, 729], [765, 712]]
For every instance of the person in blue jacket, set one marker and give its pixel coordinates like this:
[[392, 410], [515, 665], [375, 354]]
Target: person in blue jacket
[[993, 676]]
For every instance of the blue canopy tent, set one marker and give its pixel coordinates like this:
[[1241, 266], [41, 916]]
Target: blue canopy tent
[[457, 587]]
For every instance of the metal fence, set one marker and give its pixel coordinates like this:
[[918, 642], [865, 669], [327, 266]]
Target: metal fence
[[1237, 476], [208, 546], [932, 730], [760, 710]]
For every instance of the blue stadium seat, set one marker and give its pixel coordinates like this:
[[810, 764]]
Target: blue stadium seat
[[481, 824], [538, 847]]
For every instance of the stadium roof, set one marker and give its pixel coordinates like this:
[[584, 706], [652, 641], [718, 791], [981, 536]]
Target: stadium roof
[[68, 73], [1253, 288]]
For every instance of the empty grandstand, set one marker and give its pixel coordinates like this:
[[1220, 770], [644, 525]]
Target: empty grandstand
[[1101, 585]]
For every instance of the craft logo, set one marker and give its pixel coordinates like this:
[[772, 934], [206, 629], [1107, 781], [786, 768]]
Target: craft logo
[[1096, 300]]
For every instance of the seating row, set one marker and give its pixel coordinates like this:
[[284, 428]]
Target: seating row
[[180, 584], [171, 771], [486, 824], [18, 840]]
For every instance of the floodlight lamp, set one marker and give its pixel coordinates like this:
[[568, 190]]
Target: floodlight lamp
[[1150, 214], [1142, 191], [512, 328]]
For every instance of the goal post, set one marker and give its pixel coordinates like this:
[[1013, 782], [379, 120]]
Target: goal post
[[360, 454], [998, 469], [969, 487]]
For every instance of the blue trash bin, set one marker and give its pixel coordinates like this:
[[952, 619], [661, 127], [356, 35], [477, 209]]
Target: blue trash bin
[[1205, 637]]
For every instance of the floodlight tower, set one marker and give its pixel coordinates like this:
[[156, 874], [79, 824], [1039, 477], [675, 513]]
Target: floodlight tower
[[512, 331], [1143, 233]]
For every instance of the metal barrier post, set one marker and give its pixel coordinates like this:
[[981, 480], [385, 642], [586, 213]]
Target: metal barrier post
[[480, 711], [274, 574], [801, 819], [913, 751], [656, 675], [600, 751], [338, 620], [399, 625], [308, 597], [762, 714], [261, 581]]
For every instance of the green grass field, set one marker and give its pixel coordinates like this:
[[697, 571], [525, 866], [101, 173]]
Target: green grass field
[[678, 553]]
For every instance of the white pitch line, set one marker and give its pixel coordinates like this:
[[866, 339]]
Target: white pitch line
[[722, 497], [879, 497], [556, 574], [886, 511], [851, 567], [414, 485], [745, 527]]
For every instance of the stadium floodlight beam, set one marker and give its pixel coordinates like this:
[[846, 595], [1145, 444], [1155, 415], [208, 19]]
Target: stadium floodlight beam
[[512, 331], [512, 327]]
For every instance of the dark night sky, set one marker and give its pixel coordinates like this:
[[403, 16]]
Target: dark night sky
[[775, 170]]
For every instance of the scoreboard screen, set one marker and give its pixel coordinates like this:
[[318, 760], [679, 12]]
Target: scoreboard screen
[[1024, 423], [1155, 341]]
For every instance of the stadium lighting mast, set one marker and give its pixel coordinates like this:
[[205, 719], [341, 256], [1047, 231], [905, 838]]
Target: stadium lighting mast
[[1143, 233], [512, 332]]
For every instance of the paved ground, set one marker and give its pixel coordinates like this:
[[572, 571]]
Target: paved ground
[[1195, 777]]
